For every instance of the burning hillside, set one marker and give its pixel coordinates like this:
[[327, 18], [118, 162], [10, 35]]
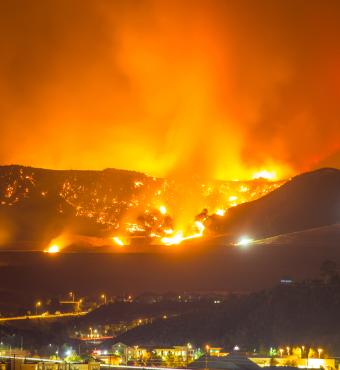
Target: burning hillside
[[123, 205]]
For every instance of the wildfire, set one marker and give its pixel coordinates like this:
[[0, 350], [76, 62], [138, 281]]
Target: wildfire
[[162, 210], [265, 174], [52, 249], [118, 241], [178, 237], [220, 212]]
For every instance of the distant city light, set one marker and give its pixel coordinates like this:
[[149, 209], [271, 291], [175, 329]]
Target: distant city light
[[244, 241], [236, 348]]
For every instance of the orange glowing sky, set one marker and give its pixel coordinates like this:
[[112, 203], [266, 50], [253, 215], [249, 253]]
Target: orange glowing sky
[[223, 88]]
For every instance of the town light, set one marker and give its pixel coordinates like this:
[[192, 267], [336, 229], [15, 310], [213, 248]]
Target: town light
[[320, 350], [37, 304]]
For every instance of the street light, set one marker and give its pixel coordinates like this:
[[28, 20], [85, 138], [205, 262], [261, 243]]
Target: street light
[[71, 294], [103, 297], [79, 303], [207, 348], [281, 351], [320, 350], [38, 304], [288, 350]]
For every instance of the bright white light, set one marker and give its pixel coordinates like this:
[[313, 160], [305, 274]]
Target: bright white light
[[244, 241], [236, 348], [68, 352]]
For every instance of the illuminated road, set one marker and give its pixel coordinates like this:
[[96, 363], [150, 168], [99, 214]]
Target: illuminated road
[[101, 365], [43, 316]]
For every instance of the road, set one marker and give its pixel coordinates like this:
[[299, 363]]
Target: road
[[101, 365], [43, 316]]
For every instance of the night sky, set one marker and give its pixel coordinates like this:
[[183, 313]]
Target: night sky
[[226, 87]]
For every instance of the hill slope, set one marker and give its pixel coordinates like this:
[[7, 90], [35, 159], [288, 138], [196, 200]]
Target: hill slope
[[307, 201], [304, 313], [37, 204]]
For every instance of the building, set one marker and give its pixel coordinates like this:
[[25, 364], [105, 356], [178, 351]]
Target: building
[[32, 364], [233, 361], [295, 361]]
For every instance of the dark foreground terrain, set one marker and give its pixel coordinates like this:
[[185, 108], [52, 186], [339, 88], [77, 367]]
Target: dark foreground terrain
[[198, 267], [297, 313]]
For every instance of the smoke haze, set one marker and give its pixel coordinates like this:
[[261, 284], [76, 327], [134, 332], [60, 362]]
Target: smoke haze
[[217, 88]]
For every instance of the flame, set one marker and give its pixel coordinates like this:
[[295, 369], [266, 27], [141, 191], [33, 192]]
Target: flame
[[118, 241], [172, 240], [151, 220], [58, 243], [52, 249], [162, 210], [178, 237], [265, 174]]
